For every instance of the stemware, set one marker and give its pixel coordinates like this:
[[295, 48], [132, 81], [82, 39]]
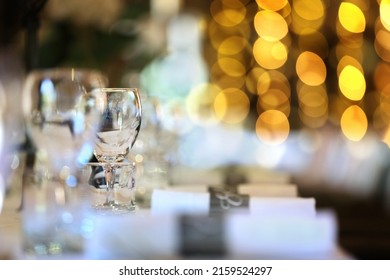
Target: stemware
[[61, 120], [61, 117], [120, 111]]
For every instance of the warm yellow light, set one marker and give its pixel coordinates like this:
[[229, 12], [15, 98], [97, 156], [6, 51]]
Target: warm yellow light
[[312, 122], [270, 55], [351, 17], [274, 99], [384, 105], [354, 123], [382, 44], [313, 101], [348, 60], [232, 67], [225, 81], [272, 127], [273, 5], [252, 79], [219, 77], [352, 83], [228, 12], [307, 16], [356, 52], [381, 77], [217, 33], [232, 45], [270, 25], [231, 106], [200, 104], [311, 68], [273, 79], [384, 12], [309, 9]]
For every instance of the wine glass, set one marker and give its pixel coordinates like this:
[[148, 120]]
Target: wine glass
[[61, 115], [62, 119], [120, 111]]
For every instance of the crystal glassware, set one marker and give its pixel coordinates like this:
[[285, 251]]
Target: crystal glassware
[[120, 111], [62, 119]]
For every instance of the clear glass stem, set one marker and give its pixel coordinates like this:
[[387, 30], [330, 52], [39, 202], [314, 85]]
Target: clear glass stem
[[109, 172]]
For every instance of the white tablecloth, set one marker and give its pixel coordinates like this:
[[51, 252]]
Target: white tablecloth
[[142, 235]]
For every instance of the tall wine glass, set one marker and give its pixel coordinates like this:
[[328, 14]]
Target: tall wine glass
[[62, 120], [120, 110]]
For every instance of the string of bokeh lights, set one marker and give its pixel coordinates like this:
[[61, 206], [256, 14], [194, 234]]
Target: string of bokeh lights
[[304, 61]]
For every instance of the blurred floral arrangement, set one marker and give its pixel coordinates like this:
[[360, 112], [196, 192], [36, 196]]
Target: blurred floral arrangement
[[92, 34], [80, 33]]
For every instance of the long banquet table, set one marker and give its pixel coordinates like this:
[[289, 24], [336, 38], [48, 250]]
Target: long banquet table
[[154, 233]]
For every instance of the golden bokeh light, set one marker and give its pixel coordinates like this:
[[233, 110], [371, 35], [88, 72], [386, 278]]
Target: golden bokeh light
[[232, 67], [309, 9], [384, 12], [380, 120], [352, 83], [252, 78], [311, 68], [200, 104], [303, 27], [225, 81], [313, 122], [274, 99], [228, 12], [273, 79], [384, 105], [351, 17], [354, 123], [270, 25], [344, 50], [349, 39], [313, 101], [232, 45], [272, 127], [217, 33], [270, 55], [381, 77], [382, 44], [231, 105], [348, 60], [307, 16], [274, 5]]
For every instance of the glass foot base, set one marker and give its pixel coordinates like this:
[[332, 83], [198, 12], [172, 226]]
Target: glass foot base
[[114, 208]]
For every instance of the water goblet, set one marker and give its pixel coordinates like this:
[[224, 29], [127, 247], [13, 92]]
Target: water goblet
[[61, 120], [120, 111]]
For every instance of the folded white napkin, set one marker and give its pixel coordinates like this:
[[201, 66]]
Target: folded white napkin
[[281, 236], [179, 202], [240, 236]]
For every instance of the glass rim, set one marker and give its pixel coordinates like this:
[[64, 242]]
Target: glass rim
[[64, 71], [118, 89]]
